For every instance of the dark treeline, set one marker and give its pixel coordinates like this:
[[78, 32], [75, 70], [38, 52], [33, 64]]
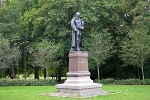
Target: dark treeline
[[35, 37]]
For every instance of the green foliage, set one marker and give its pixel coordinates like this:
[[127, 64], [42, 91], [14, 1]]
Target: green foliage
[[44, 53], [136, 47], [9, 22], [27, 82], [136, 50], [26, 23], [106, 81], [110, 81], [101, 48], [2, 73], [4, 52], [129, 82]]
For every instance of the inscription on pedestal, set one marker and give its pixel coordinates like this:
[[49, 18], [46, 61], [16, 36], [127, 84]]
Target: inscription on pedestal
[[82, 62]]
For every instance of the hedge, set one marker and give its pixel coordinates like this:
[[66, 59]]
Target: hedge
[[27, 82], [50, 82], [123, 82]]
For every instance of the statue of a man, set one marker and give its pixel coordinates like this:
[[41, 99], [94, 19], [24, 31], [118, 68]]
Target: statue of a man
[[77, 25]]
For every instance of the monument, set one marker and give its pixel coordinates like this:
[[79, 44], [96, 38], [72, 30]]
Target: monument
[[78, 81]]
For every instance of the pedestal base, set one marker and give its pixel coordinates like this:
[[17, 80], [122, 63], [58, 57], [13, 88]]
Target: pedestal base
[[78, 81], [80, 86]]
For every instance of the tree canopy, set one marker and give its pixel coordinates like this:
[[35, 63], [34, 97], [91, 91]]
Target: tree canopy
[[41, 31]]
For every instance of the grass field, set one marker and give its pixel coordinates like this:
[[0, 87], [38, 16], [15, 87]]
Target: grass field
[[123, 92]]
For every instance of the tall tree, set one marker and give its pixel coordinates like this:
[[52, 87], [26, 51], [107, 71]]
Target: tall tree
[[101, 48], [4, 52], [136, 49], [44, 54], [26, 17], [137, 17], [15, 55], [9, 55]]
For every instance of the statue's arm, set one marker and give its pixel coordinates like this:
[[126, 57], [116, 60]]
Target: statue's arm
[[82, 26], [73, 25]]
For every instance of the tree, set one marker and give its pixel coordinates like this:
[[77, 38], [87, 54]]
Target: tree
[[9, 56], [44, 53], [26, 17], [4, 52], [34, 20], [11, 29], [15, 55], [101, 48], [51, 20], [136, 49], [137, 14]]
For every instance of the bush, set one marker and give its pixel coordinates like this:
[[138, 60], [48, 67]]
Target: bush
[[106, 81], [123, 82], [27, 82], [128, 82], [147, 81]]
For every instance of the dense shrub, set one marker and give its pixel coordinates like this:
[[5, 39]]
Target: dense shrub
[[147, 81], [27, 82], [106, 81], [128, 82], [123, 82]]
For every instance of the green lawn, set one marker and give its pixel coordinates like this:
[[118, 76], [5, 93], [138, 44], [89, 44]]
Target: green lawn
[[124, 92]]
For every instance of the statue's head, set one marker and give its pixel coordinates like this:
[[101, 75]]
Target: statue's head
[[77, 15]]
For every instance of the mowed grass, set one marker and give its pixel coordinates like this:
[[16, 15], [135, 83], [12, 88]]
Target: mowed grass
[[123, 92]]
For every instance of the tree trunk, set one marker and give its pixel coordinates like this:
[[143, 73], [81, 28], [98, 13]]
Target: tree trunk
[[45, 73], [18, 70], [9, 73], [98, 74], [138, 74], [13, 72], [143, 74], [25, 61], [36, 74], [5, 73], [59, 73]]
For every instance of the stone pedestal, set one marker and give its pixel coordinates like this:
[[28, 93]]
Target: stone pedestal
[[78, 78]]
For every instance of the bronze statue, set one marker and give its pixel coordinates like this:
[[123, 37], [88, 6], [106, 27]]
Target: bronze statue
[[77, 26]]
